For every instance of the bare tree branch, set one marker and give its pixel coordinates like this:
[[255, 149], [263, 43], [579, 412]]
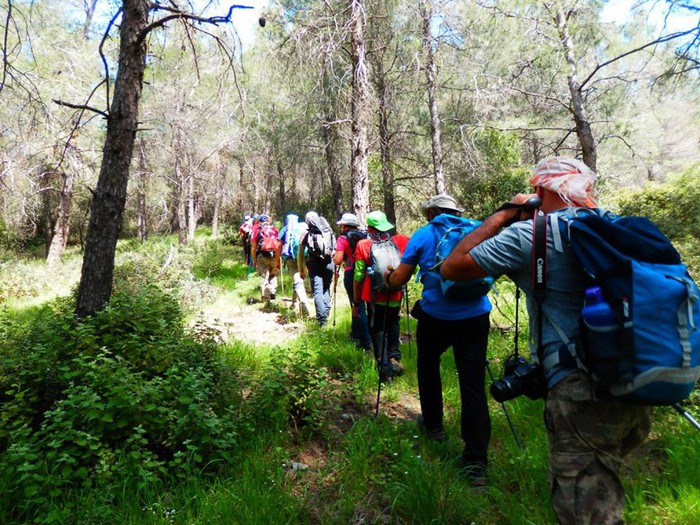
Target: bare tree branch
[[4, 44], [178, 14], [102, 55], [80, 106], [660, 40]]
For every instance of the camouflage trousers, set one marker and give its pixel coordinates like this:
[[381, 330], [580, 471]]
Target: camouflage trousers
[[588, 437]]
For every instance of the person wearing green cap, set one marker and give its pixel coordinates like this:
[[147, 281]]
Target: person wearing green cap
[[384, 304]]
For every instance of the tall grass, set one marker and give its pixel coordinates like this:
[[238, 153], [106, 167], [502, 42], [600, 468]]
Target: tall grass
[[307, 447]]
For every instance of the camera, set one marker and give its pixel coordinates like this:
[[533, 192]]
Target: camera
[[520, 377]]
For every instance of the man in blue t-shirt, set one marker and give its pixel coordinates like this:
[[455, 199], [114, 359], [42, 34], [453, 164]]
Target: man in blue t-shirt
[[444, 323]]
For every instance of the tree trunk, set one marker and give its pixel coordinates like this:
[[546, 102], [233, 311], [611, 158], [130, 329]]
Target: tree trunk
[[141, 218], [360, 111], [256, 189], [192, 208], [180, 201], [329, 137], [215, 214], [109, 197], [89, 13], [583, 126], [282, 190], [61, 229], [385, 148], [241, 185], [426, 13], [45, 181]]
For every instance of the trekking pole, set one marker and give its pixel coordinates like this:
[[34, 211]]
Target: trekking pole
[[408, 322], [336, 271], [282, 276], [683, 412], [505, 410], [383, 353]]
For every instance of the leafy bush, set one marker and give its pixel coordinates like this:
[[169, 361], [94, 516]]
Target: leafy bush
[[125, 394], [674, 207], [498, 176], [166, 264], [295, 391]]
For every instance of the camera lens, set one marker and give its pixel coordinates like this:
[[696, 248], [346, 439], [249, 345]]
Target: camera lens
[[505, 389]]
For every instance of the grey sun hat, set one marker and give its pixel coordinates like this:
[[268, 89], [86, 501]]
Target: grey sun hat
[[349, 219], [442, 201]]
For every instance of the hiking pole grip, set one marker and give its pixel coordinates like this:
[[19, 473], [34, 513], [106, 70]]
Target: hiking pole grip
[[683, 412]]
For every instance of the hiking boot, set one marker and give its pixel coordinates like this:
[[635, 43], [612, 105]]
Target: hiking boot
[[272, 297], [396, 367], [473, 471], [436, 433], [386, 373], [384, 378], [304, 309]]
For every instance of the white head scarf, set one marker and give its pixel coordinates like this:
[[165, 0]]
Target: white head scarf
[[570, 178]]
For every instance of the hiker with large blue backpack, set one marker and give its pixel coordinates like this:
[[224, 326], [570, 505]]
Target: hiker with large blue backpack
[[591, 416], [350, 235], [290, 237], [453, 315]]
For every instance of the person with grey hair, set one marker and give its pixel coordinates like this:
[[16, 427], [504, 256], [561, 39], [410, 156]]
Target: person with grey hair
[[462, 324], [588, 434], [350, 235]]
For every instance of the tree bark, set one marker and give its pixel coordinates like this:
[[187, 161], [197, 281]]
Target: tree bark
[[109, 197], [360, 111], [427, 14], [583, 126]]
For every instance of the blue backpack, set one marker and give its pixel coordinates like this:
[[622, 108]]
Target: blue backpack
[[289, 250], [449, 230], [650, 353]]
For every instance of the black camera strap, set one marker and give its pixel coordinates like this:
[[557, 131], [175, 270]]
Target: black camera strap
[[539, 272]]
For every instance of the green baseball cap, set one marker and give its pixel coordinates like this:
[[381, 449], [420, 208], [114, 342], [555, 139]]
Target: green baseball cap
[[378, 221]]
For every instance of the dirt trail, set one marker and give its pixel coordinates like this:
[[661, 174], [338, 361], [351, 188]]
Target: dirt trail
[[253, 323]]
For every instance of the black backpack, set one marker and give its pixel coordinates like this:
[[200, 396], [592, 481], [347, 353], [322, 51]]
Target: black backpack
[[320, 241], [355, 236]]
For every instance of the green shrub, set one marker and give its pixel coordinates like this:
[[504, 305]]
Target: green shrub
[[674, 207], [126, 394]]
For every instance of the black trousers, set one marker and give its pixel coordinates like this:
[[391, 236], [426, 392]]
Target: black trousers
[[468, 339], [384, 331]]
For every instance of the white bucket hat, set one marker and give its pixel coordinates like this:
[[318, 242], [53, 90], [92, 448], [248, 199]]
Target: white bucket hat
[[349, 219]]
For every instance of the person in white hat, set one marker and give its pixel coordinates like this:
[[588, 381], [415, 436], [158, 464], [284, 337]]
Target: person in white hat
[[350, 235], [462, 324]]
